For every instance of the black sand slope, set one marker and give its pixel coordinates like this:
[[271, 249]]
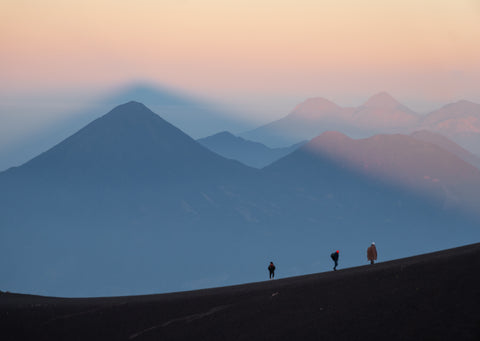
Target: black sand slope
[[429, 297]]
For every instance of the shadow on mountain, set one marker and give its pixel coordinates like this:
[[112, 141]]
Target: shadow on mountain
[[195, 116]]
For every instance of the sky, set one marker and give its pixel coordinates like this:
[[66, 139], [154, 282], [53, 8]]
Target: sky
[[257, 58]]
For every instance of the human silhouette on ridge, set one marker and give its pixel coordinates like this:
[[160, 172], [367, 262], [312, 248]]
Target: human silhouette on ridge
[[372, 253], [335, 259], [271, 270]]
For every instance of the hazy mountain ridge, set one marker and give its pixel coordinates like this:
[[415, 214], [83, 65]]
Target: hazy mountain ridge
[[384, 112], [182, 109], [309, 119], [459, 121], [133, 151], [407, 162], [253, 154], [447, 144], [380, 114], [130, 130]]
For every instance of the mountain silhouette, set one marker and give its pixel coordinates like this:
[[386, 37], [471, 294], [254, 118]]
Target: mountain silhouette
[[337, 194], [197, 117], [125, 143], [132, 184], [304, 122], [447, 144], [458, 110], [384, 100], [184, 110], [406, 162], [250, 153], [379, 114], [128, 157], [314, 108], [459, 121], [382, 111]]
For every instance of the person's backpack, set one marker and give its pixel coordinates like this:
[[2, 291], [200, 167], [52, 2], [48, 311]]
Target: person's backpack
[[333, 255]]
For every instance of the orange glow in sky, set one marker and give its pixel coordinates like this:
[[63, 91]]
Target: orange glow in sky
[[417, 50]]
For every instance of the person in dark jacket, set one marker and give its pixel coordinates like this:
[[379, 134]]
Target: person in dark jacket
[[372, 253], [271, 270], [335, 259]]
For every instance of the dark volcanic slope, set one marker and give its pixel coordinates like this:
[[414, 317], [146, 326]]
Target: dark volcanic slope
[[432, 296]]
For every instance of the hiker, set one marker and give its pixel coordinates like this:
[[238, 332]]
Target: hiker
[[271, 269], [372, 253], [335, 259]]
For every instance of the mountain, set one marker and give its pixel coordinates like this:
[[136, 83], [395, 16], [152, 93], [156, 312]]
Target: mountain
[[405, 162], [459, 121], [253, 154], [197, 117], [383, 113], [130, 147], [129, 139], [430, 294], [304, 122], [459, 110], [130, 204], [447, 144], [314, 108], [380, 114], [116, 200], [389, 186]]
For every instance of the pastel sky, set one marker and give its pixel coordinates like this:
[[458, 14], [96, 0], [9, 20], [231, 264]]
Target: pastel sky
[[261, 57]]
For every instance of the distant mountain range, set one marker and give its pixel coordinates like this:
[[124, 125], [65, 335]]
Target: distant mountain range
[[459, 121], [130, 204], [405, 162], [447, 144], [381, 114], [257, 155], [253, 154], [197, 117]]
